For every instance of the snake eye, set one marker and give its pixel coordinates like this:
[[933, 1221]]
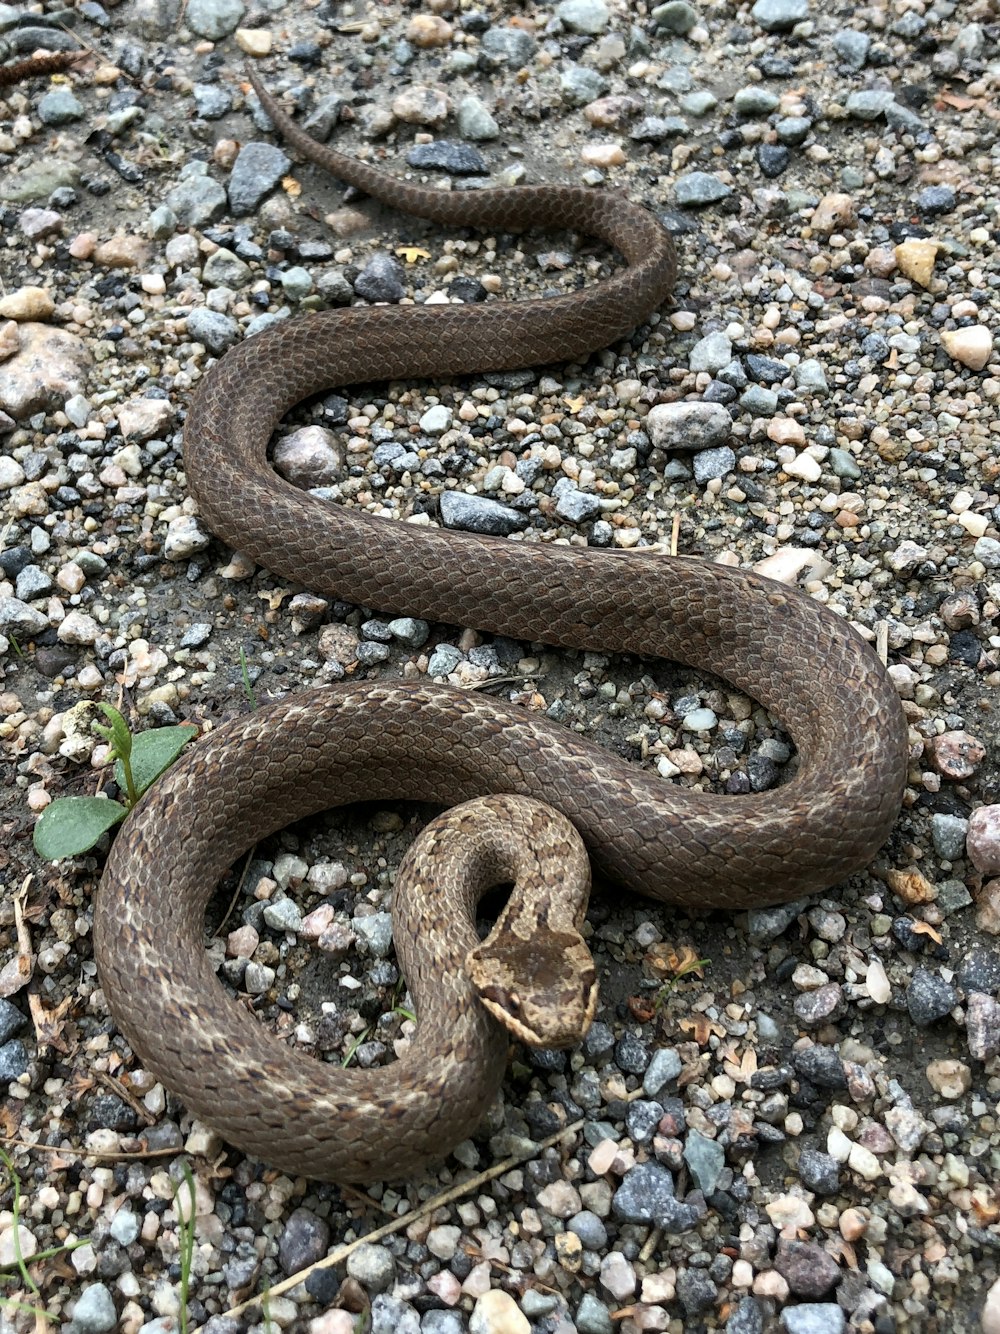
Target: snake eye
[[513, 1002]]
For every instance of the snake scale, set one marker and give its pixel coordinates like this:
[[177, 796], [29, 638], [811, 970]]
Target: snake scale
[[363, 740]]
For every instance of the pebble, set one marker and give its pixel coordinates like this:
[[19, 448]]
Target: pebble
[[496, 1312], [696, 188], [374, 1267], [779, 15], [646, 1195], [688, 426], [304, 1240], [814, 1318], [928, 998], [94, 1311], [971, 346], [479, 514], [983, 839]]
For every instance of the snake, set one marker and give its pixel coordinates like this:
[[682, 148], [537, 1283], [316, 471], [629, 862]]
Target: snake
[[360, 739]]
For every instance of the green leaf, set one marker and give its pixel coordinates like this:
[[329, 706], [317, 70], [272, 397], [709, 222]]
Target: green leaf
[[118, 733], [71, 825], [152, 752]]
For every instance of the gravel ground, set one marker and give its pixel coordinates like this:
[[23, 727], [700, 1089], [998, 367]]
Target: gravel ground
[[803, 1133]]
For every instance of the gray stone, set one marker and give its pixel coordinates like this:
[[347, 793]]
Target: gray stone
[[807, 1268], [755, 101], [820, 1172], [13, 1060], [214, 19], [578, 84], [376, 930], [814, 1318], [444, 660], [584, 16], [303, 1241], [475, 121], [710, 354], [94, 1312], [513, 46], [929, 998], [712, 463], [197, 200], [746, 1318], [20, 620], [700, 187], [33, 582], [593, 1317], [11, 1020], [410, 631], [479, 514], [676, 16], [374, 1267], [446, 155], [663, 1068], [843, 464], [706, 1159], [779, 15], [646, 1195], [589, 1228], [381, 279], [689, 426], [654, 129], [59, 106], [948, 834], [852, 47], [258, 168], [574, 505], [389, 1315], [217, 331], [868, 103]]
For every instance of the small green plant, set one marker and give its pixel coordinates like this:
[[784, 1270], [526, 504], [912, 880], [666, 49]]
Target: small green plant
[[71, 825], [247, 683], [185, 1226], [688, 966], [19, 1264]]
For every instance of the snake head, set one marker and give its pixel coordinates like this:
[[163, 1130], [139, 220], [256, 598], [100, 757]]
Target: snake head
[[543, 989]]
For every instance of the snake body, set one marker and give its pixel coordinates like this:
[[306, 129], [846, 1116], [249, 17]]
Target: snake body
[[364, 740]]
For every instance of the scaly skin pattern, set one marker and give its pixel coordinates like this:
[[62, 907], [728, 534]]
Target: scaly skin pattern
[[361, 741]]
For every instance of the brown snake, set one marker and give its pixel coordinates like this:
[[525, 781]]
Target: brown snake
[[359, 741]]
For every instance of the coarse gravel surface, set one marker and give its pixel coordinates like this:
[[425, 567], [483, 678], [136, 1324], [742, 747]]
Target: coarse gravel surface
[[782, 1120]]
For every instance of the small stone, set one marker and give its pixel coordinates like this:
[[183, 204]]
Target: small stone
[[663, 1068], [983, 839], [478, 514], [950, 1078], [13, 1060], [930, 998], [713, 463], [496, 1312], [982, 1026], [916, 257], [813, 1318], [688, 426], [948, 833], [807, 1268], [593, 1317], [833, 213], [700, 187], [819, 1171], [304, 1240], [956, 755], [779, 15], [972, 346], [706, 1159], [646, 1195], [710, 354], [374, 1267], [583, 16], [94, 1311]]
